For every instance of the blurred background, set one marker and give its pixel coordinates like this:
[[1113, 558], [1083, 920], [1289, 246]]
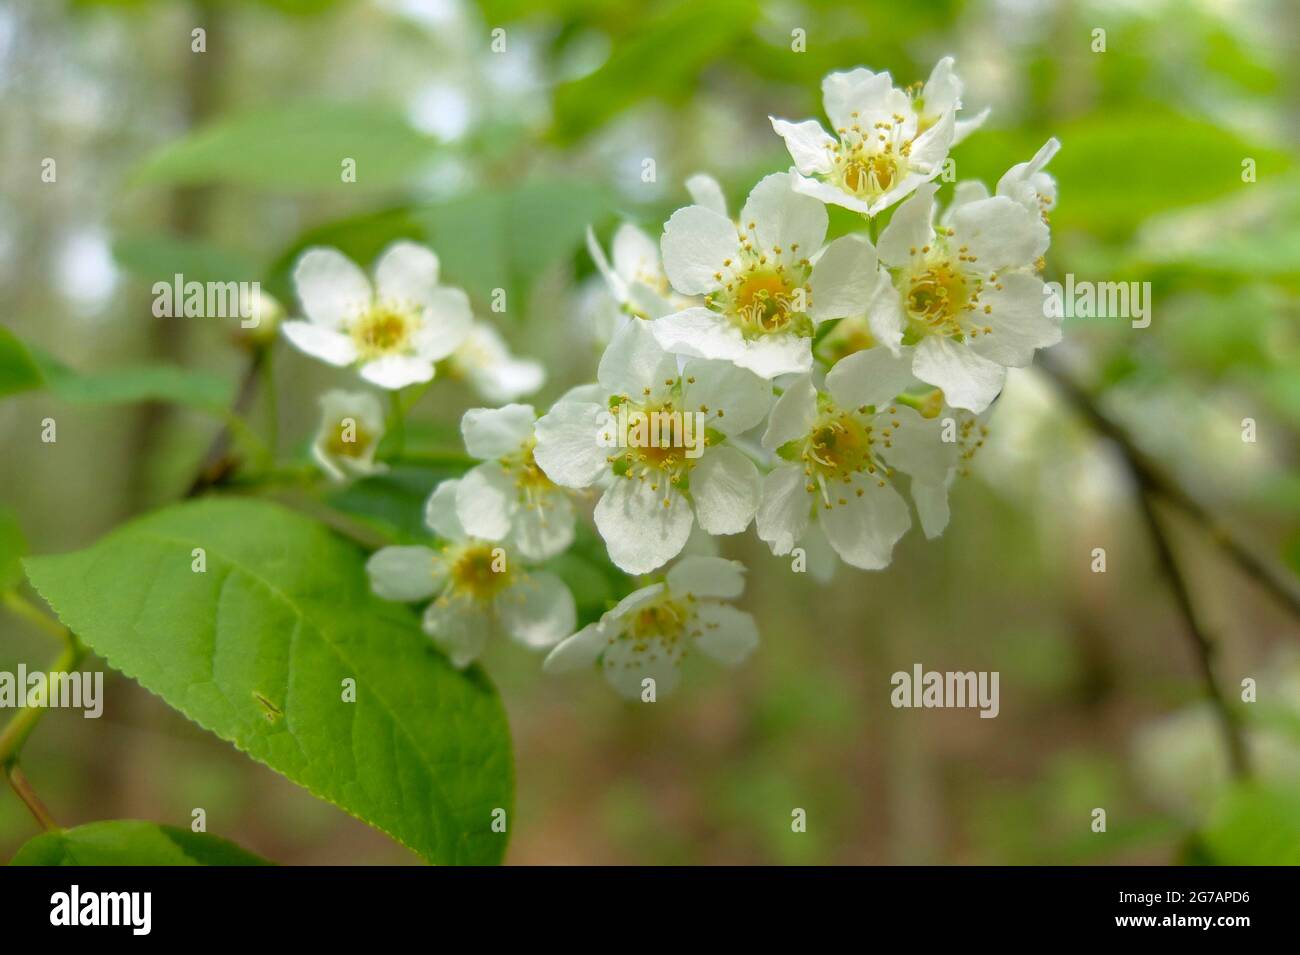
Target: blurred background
[[225, 164]]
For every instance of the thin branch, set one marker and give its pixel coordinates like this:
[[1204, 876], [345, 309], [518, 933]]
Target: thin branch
[[1202, 646], [18, 780], [214, 468], [16, 731], [1151, 478]]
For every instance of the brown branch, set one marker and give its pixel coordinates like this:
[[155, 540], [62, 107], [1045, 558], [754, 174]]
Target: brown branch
[[28, 795], [216, 466], [1152, 478]]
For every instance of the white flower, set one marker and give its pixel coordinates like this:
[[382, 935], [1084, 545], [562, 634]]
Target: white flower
[[1028, 185], [838, 455], [478, 591], [964, 300], [352, 422], [653, 629], [942, 94], [485, 361], [884, 145], [508, 497], [653, 494], [636, 279], [394, 331], [766, 284]]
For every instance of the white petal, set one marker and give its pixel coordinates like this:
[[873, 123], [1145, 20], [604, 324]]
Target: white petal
[[617, 286], [870, 377], [446, 323], [635, 361], [1018, 319], [1000, 232], [964, 127], [968, 381], [783, 218], [810, 146], [885, 314], [329, 346], [864, 529], [636, 255], [460, 626], [942, 91], [707, 577], [843, 279], [910, 228], [406, 272], [640, 533], [705, 191], [855, 91], [440, 512], [793, 414], [568, 443], [407, 574], [1021, 180], [537, 609], [964, 193], [785, 509], [741, 396], [917, 446], [633, 602], [727, 635], [774, 355], [931, 507], [725, 487], [486, 501], [820, 556], [496, 432], [543, 531], [931, 148], [626, 668], [330, 286], [507, 379], [825, 192], [397, 371], [695, 243], [581, 649], [699, 333]]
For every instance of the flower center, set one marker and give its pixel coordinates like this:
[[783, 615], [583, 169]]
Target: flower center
[[841, 446], [941, 294], [383, 329], [480, 571], [868, 162], [348, 442], [768, 296]]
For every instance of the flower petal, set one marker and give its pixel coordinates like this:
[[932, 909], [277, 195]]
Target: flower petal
[[579, 650], [397, 371], [870, 377], [810, 146], [964, 127], [910, 228], [406, 272], [446, 323], [785, 509], [542, 531], [440, 512], [856, 91], [931, 502], [640, 532], [917, 446], [636, 255], [635, 361], [330, 287], [793, 414], [707, 577], [825, 192], [699, 333], [537, 609], [740, 396], [843, 278], [968, 381], [1000, 232], [865, 528], [774, 355], [406, 574], [696, 242], [784, 219], [333, 348], [495, 432], [568, 443], [725, 487], [885, 315], [727, 635], [705, 191], [460, 626], [486, 501], [1018, 319]]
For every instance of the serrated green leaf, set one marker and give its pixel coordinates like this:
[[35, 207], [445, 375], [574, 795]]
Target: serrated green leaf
[[18, 369], [295, 148], [258, 647], [131, 842]]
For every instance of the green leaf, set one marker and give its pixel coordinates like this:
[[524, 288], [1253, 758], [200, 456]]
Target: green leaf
[[393, 502], [12, 547], [257, 649], [138, 383], [1252, 825], [130, 842], [18, 369], [295, 148], [158, 257]]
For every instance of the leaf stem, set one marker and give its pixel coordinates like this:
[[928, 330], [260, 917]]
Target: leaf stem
[[21, 786], [16, 731], [22, 607]]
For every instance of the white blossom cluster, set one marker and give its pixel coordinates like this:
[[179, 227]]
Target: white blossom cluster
[[759, 375]]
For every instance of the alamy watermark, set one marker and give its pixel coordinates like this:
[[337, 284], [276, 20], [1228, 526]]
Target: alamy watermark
[[653, 429], [181, 299], [933, 689], [80, 691], [1131, 300]]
